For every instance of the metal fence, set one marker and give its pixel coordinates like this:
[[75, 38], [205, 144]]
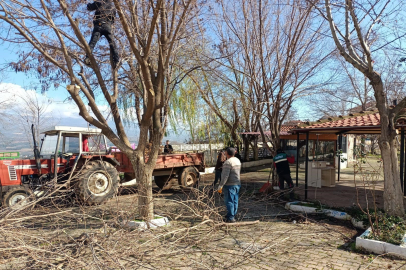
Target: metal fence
[[196, 147], [210, 151], [262, 153]]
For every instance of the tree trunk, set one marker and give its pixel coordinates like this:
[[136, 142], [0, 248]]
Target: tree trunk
[[255, 149], [143, 166], [143, 174], [276, 144], [392, 196], [374, 140], [246, 148], [363, 139]]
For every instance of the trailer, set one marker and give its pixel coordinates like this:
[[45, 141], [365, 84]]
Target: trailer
[[81, 158]]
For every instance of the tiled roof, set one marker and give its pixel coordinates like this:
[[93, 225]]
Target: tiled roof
[[287, 128], [369, 122], [364, 120]]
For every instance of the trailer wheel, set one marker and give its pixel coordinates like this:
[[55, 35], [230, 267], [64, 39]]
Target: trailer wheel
[[189, 177], [17, 197], [164, 181], [97, 182]]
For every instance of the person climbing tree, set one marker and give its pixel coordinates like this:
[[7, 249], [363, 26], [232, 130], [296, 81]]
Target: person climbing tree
[[103, 21]]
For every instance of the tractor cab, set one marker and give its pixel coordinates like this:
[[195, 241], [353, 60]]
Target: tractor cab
[[65, 146], [67, 141]]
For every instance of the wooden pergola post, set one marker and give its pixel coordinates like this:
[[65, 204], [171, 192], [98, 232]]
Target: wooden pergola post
[[340, 141], [402, 156], [297, 159], [307, 163]]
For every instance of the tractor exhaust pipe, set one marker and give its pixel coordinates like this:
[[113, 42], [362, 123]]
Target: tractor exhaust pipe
[[36, 151]]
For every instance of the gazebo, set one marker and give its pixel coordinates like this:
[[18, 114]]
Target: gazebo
[[285, 134], [360, 123]]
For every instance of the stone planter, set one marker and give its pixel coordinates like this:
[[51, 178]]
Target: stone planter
[[157, 222], [379, 247], [337, 214], [296, 207], [359, 224]]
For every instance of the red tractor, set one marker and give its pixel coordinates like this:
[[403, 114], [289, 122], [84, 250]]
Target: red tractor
[[80, 157]]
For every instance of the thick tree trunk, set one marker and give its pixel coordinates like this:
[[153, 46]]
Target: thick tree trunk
[[276, 144], [143, 174], [143, 166], [392, 195]]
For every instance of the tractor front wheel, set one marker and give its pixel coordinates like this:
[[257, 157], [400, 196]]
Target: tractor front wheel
[[17, 197], [97, 182]]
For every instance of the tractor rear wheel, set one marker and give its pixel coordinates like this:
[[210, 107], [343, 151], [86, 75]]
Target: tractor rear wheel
[[17, 197], [97, 182], [189, 177]]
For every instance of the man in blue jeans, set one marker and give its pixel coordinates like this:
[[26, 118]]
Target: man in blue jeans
[[230, 183]]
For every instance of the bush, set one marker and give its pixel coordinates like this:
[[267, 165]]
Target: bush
[[388, 229]]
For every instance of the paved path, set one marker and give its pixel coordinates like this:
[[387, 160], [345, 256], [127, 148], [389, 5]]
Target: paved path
[[284, 245]]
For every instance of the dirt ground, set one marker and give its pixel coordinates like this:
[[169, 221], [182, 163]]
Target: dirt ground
[[94, 237]]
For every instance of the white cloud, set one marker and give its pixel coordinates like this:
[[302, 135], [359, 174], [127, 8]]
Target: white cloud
[[63, 112]]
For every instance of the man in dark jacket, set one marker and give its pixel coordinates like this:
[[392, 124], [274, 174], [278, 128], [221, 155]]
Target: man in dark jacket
[[221, 158], [168, 149], [103, 21], [283, 170]]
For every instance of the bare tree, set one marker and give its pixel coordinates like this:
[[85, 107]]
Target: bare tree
[[150, 34], [30, 110], [353, 39], [346, 92], [394, 74], [269, 49], [4, 105]]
